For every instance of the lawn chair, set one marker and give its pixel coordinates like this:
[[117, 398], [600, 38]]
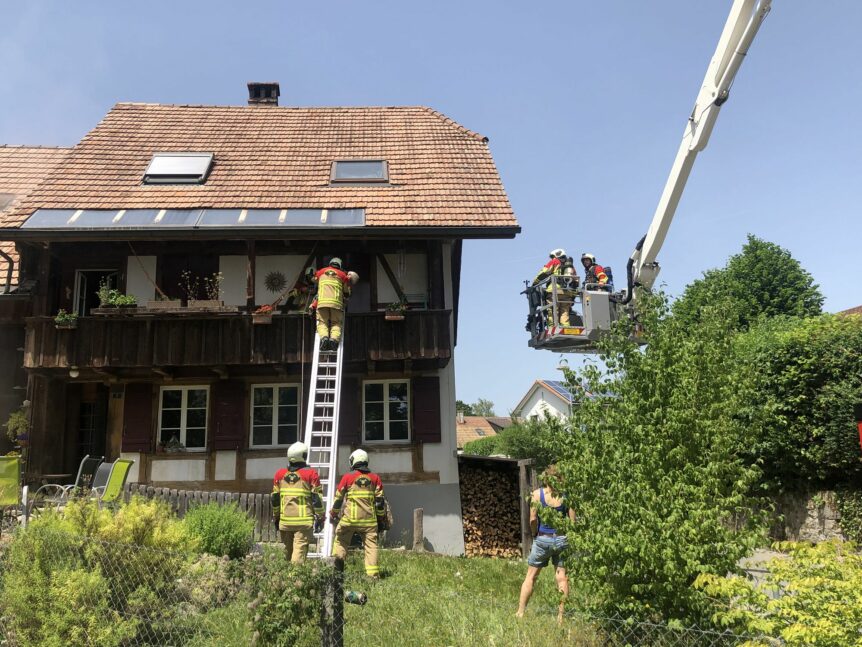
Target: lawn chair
[[13, 498], [112, 491], [54, 495]]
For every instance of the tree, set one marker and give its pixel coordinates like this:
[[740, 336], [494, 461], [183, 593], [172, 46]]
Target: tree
[[463, 407], [652, 468], [763, 280], [483, 407]]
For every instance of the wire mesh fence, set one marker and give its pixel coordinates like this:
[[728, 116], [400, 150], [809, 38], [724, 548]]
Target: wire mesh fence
[[62, 589]]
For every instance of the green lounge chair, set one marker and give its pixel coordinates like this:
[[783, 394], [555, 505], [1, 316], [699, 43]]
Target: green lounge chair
[[112, 492], [13, 498]]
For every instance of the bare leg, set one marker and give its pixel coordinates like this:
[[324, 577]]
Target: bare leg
[[563, 586], [527, 589]]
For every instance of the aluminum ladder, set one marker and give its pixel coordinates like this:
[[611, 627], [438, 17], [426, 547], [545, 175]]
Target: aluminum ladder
[[321, 431]]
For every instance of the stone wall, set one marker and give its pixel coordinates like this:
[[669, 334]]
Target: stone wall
[[806, 516]]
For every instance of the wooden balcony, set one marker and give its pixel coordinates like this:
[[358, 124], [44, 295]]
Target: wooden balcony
[[212, 340]]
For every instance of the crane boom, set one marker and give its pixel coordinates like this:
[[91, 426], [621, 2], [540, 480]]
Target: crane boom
[[746, 17]]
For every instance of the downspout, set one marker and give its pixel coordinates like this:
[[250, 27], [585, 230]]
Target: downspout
[[11, 262]]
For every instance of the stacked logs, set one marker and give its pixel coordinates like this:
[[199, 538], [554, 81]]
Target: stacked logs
[[491, 512]]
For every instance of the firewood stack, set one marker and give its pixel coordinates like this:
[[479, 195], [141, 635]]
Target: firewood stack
[[491, 512]]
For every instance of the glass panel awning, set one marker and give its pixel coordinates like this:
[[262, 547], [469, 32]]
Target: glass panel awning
[[156, 219]]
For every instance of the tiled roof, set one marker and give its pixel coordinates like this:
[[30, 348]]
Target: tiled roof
[[441, 174], [852, 311], [21, 170], [473, 428]]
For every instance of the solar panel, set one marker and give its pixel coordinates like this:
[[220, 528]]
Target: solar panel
[[136, 218], [304, 217], [261, 218], [177, 218], [48, 219], [178, 168], [346, 218], [220, 217], [92, 219], [559, 389]]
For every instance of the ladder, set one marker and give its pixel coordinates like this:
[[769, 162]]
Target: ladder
[[321, 431]]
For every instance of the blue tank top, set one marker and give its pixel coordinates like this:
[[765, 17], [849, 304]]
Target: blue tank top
[[562, 509]]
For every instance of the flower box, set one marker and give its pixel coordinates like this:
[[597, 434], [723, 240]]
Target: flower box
[[262, 318], [394, 316], [208, 304], [164, 304], [69, 325]]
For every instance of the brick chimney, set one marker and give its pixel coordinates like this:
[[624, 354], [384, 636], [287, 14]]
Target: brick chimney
[[263, 94]]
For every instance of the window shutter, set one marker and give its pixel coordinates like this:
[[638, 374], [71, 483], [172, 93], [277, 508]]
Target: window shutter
[[228, 409], [426, 409], [138, 418], [350, 415]]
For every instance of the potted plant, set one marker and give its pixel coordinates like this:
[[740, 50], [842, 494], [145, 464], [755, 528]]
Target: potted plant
[[112, 298], [18, 427], [395, 311], [211, 287], [263, 315], [163, 302], [65, 320]]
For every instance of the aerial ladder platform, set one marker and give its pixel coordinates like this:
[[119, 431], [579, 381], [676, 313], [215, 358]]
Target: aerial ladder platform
[[321, 431]]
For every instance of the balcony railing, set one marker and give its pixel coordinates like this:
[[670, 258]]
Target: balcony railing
[[135, 341]]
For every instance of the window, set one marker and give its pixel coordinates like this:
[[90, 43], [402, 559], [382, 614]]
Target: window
[[360, 171], [274, 415], [386, 410], [178, 168], [87, 284], [183, 416]]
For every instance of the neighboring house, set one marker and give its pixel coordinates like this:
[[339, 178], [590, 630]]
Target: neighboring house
[[470, 428], [157, 196], [544, 397], [499, 423], [852, 311], [22, 168]]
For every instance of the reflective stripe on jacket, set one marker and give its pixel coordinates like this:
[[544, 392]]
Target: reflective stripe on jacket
[[596, 274], [366, 503], [330, 288], [300, 497]]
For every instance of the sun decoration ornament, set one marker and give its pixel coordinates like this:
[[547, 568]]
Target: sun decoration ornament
[[275, 281]]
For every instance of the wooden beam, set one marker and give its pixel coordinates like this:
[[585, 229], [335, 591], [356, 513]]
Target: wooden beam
[[164, 372], [389, 273], [220, 370], [249, 275]]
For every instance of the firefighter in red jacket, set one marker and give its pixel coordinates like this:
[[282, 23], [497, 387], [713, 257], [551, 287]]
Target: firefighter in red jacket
[[297, 503], [333, 284], [364, 514], [555, 267], [595, 273]]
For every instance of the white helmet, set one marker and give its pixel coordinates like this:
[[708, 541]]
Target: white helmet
[[354, 277], [558, 253], [589, 257], [335, 262], [358, 457], [297, 453]]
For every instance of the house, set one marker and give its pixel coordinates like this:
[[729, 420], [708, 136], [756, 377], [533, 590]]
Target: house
[[544, 397], [499, 423], [163, 201], [852, 311], [22, 168], [470, 428]]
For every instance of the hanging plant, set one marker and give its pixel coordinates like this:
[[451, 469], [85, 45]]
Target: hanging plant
[[275, 282]]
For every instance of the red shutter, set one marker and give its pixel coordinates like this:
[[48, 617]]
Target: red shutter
[[228, 414], [138, 418], [426, 409], [350, 413]]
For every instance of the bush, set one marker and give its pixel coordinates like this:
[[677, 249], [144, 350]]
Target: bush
[[286, 598], [209, 582], [850, 508], [812, 597], [483, 446], [221, 530], [530, 439]]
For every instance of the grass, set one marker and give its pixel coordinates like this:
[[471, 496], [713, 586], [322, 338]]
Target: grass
[[430, 601]]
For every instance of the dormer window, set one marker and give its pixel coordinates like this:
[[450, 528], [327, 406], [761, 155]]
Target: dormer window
[[178, 168], [359, 171]]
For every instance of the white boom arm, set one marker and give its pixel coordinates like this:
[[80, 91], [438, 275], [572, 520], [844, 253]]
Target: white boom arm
[[742, 24]]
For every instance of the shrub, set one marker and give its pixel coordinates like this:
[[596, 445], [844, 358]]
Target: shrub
[[222, 530], [850, 508], [812, 597], [209, 582], [530, 439], [483, 446]]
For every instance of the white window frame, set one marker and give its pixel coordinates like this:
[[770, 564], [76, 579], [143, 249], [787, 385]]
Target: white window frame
[[274, 406], [386, 440], [184, 411]]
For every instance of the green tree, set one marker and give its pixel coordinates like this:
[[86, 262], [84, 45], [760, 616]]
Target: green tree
[[463, 407], [652, 469], [483, 407], [763, 280]]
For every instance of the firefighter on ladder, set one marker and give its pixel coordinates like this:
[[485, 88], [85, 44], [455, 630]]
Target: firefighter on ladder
[[557, 266], [364, 514], [333, 284], [297, 503]]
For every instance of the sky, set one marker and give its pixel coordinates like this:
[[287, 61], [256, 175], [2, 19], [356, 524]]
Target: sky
[[584, 104]]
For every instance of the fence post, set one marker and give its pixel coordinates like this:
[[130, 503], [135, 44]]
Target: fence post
[[332, 613], [418, 530]]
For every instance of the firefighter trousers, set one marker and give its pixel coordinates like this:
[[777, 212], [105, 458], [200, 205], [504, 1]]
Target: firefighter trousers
[[296, 540], [343, 537], [329, 323]]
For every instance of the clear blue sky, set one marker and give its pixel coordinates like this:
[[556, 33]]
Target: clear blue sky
[[584, 103]]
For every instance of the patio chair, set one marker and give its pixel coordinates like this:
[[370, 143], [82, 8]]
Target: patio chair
[[112, 491], [54, 495], [13, 498]]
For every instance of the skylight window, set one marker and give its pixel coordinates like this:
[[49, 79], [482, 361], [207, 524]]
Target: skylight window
[[360, 171], [178, 168]]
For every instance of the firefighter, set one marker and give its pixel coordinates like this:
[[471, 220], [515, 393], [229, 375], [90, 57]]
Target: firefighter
[[333, 284], [299, 299], [297, 503], [594, 273], [554, 267], [364, 514]]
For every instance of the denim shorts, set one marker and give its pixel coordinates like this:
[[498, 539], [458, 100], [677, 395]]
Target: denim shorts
[[548, 549]]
